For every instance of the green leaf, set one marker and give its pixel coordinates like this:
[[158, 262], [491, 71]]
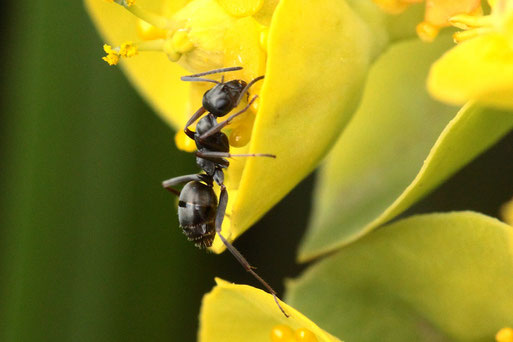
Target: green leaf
[[395, 150], [438, 277]]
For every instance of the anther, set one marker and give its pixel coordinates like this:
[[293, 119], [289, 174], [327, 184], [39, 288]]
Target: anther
[[112, 55], [128, 49]]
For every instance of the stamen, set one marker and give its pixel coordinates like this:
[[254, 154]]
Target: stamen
[[151, 18], [465, 21], [148, 31], [112, 55], [129, 49], [469, 34], [151, 45]]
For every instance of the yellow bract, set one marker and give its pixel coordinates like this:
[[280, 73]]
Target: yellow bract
[[243, 313], [314, 55], [480, 68]]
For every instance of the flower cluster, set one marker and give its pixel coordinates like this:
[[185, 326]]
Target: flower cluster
[[395, 118]]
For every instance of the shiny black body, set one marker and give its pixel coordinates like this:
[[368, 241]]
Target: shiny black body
[[197, 208], [200, 213], [220, 100], [217, 142]]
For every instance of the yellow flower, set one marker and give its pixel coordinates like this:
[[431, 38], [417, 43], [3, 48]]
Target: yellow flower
[[480, 67], [314, 55], [243, 313], [437, 13]]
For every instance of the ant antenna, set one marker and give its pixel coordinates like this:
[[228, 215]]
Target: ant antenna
[[246, 88], [250, 268], [216, 71], [196, 77]]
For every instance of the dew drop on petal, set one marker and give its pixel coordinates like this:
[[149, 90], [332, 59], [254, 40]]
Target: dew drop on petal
[[282, 333]]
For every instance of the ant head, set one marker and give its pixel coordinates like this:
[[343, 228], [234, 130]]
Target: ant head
[[221, 99]]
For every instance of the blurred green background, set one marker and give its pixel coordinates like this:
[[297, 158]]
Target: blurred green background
[[90, 248]]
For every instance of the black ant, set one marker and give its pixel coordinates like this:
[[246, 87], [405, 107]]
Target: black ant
[[199, 213]]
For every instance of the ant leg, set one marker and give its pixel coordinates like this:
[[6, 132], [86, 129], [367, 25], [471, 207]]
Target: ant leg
[[212, 154], [193, 118], [215, 71], [221, 208], [246, 88], [217, 128], [168, 184], [223, 201]]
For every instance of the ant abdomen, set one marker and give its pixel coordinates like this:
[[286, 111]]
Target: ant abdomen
[[197, 208]]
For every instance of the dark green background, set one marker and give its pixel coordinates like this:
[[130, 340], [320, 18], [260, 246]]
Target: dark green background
[[90, 248]]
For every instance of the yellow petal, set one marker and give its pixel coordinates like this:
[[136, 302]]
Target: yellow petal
[[479, 69], [151, 73], [243, 313], [312, 85]]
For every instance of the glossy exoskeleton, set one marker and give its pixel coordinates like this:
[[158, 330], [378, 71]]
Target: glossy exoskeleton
[[200, 213]]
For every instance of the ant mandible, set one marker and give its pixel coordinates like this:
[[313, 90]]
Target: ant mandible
[[199, 213]]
